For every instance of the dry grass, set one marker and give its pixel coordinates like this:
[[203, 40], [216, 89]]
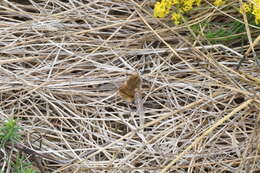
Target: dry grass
[[61, 65]]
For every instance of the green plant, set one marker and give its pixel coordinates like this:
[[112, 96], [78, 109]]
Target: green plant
[[9, 133], [21, 166], [219, 32], [228, 31]]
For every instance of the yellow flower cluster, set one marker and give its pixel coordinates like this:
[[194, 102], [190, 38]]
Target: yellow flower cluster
[[252, 7], [162, 8], [245, 8], [176, 17], [256, 11], [218, 3]]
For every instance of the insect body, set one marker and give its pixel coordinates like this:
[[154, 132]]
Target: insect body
[[128, 89]]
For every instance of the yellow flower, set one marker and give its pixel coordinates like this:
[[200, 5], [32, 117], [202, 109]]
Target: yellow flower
[[198, 2], [256, 11], [187, 5], [218, 3], [176, 2], [245, 8], [161, 9], [176, 17]]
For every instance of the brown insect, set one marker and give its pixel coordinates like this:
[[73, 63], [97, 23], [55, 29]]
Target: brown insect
[[128, 89]]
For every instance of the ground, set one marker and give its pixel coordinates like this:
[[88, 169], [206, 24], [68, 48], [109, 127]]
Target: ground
[[197, 108]]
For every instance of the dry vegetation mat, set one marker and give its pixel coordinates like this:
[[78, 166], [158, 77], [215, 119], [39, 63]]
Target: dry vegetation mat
[[63, 61]]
